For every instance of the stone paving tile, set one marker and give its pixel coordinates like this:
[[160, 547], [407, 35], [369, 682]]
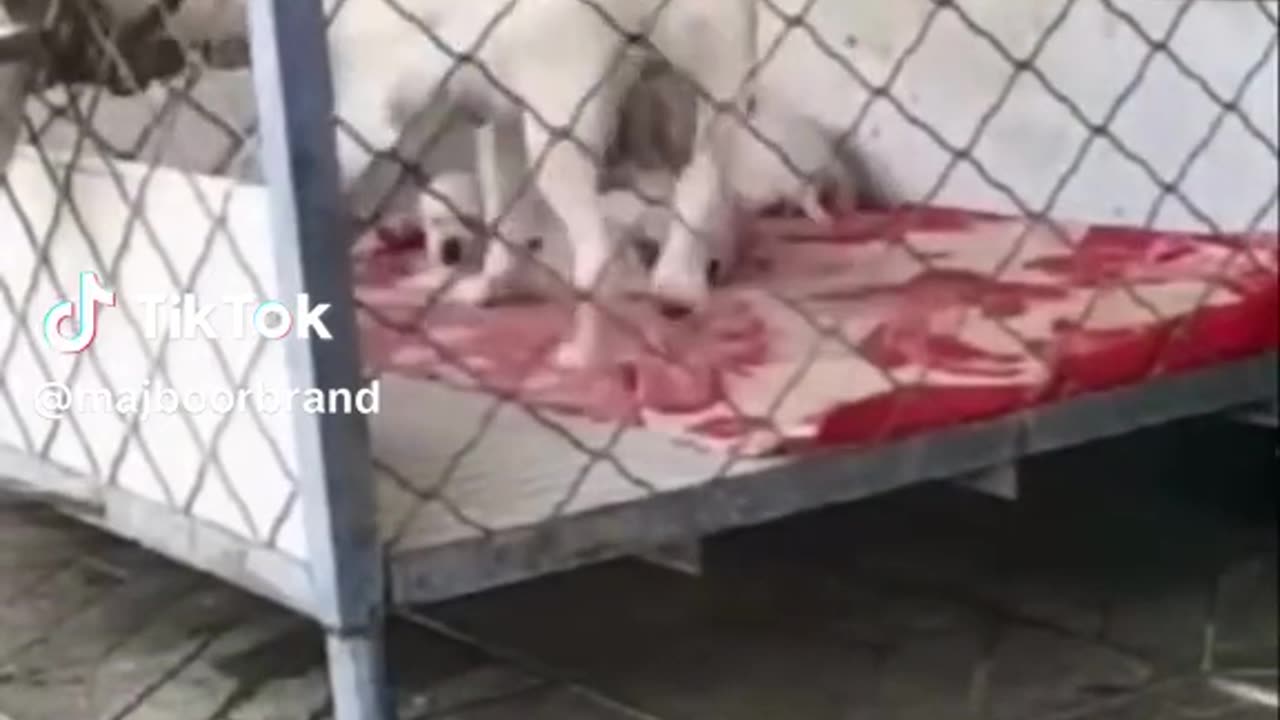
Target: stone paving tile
[[1130, 559], [172, 645], [1185, 700], [34, 538], [675, 647], [485, 686], [758, 645], [91, 578], [431, 673], [59, 677], [37, 545], [1079, 602], [542, 704], [1245, 625], [930, 603], [1034, 673], [198, 688], [116, 631]]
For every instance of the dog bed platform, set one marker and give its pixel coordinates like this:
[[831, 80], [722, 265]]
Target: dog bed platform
[[896, 347]]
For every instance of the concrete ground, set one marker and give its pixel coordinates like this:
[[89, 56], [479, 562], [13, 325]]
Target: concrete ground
[[1135, 580]]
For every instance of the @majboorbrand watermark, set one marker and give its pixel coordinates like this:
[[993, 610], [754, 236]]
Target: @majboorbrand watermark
[[71, 326], [53, 400]]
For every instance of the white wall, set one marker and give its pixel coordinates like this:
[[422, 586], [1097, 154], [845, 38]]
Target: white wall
[[955, 76]]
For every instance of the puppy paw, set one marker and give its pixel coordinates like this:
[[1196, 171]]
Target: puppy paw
[[681, 291], [815, 211], [576, 354], [590, 343], [478, 290]]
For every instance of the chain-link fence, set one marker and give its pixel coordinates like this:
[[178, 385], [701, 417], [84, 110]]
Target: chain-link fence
[[135, 131], [618, 263], [854, 304]]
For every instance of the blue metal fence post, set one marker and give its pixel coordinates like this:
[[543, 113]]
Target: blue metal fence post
[[311, 234]]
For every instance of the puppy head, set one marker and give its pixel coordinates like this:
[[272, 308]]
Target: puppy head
[[451, 217]]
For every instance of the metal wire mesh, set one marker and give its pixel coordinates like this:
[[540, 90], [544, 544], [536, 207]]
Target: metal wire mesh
[[854, 328], [545, 194], [857, 76], [136, 128]]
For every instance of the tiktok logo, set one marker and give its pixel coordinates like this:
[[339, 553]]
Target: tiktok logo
[[83, 313]]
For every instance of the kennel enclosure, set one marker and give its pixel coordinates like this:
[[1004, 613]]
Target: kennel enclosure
[[1082, 242]]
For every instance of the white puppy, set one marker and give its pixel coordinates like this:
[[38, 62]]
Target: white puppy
[[448, 214], [550, 106], [783, 158], [789, 159]]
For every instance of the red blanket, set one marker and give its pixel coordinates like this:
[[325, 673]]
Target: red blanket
[[889, 324]]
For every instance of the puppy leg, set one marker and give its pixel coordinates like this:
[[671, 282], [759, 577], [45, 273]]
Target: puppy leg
[[699, 247], [568, 179], [846, 190], [719, 64], [811, 204], [366, 131], [376, 106], [685, 266], [506, 189]]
